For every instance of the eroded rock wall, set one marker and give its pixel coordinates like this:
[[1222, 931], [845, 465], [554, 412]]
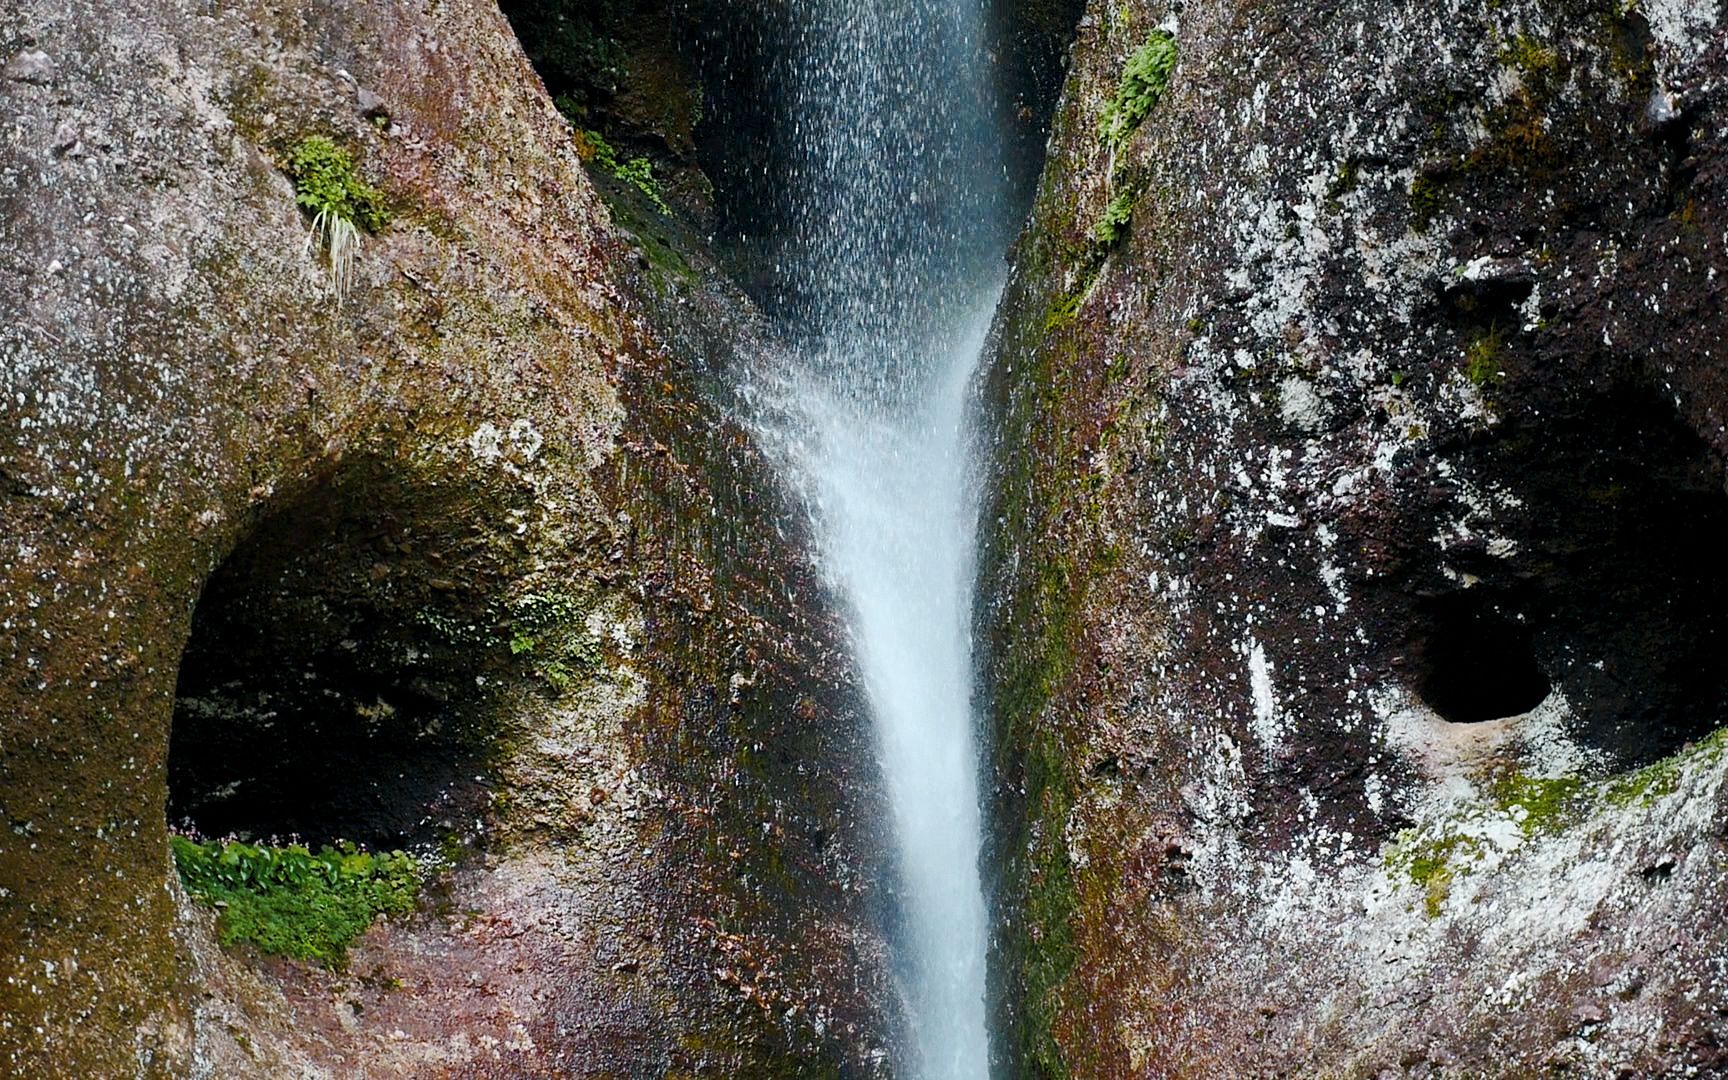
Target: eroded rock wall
[[485, 504], [1353, 602]]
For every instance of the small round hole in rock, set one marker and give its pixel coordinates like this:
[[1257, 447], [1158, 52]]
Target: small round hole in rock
[[1475, 663], [335, 681]]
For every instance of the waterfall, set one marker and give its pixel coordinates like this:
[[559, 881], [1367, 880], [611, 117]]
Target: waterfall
[[892, 249]]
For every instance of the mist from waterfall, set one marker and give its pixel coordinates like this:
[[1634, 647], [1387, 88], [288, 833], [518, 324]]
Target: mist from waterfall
[[894, 245]]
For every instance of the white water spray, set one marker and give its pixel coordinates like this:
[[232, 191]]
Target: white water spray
[[893, 256]]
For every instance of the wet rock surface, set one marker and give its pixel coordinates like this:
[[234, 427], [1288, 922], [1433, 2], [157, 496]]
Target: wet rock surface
[[1357, 563], [465, 559]]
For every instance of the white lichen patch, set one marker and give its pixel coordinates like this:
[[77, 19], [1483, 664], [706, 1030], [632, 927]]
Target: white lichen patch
[[1265, 703]]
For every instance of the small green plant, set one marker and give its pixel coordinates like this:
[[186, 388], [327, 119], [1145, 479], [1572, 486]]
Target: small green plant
[[292, 902], [1112, 226], [551, 633], [1144, 80], [1482, 358], [1427, 200], [1349, 176], [341, 204], [638, 172], [592, 148]]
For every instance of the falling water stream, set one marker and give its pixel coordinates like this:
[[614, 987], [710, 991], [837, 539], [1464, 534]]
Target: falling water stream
[[894, 245]]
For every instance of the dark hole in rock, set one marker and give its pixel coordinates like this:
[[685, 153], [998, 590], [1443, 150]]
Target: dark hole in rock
[[1614, 584], [1476, 664], [336, 679]]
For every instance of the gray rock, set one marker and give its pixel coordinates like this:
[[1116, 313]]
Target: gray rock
[[31, 66], [372, 106]]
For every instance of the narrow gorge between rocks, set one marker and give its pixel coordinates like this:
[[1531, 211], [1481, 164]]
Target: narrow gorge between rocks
[[864, 539]]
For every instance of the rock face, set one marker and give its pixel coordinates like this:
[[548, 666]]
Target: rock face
[[466, 559], [1354, 607]]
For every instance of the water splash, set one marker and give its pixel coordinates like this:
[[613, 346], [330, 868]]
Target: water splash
[[892, 246]]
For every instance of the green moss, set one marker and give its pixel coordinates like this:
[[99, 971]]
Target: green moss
[[1661, 778], [1433, 863], [291, 902], [1434, 855], [1482, 358], [1427, 199], [1645, 786], [1051, 905], [1144, 80], [1539, 805], [550, 632], [1530, 57], [1063, 310], [1349, 176], [327, 184]]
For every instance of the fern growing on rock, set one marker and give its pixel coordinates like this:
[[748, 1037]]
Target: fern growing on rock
[[342, 205], [1144, 80]]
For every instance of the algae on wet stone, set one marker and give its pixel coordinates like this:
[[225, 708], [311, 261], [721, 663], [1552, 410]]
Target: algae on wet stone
[[289, 901]]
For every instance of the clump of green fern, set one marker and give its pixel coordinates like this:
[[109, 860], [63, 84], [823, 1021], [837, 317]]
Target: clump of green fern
[[638, 172], [1112, 226], [1144, 80], [327, 185]]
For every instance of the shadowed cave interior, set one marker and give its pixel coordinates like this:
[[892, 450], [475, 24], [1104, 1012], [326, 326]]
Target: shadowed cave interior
[[336, 680], [1613, 588]]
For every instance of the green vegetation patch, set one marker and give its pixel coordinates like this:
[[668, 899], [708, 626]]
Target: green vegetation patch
[[1427, 200], [1539, 805], [1482, 358], [1112, 226], [292, 902], [1530, 56], [1144, 81], [550, 632], [1434, 863], [327, 184], [638, 172], [1434, 855], [1661, 778]]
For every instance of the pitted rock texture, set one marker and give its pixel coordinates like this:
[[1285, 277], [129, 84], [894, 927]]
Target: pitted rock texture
[[1353, 607], [659, 832]]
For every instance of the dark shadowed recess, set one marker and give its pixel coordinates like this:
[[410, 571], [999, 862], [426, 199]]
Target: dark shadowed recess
[[1476, 663], [1615, 591], [338, 670], [700, 87]]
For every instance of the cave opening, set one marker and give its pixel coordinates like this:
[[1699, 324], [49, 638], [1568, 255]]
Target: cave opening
[[336, 678], [1606, 579], [1476, 663]]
